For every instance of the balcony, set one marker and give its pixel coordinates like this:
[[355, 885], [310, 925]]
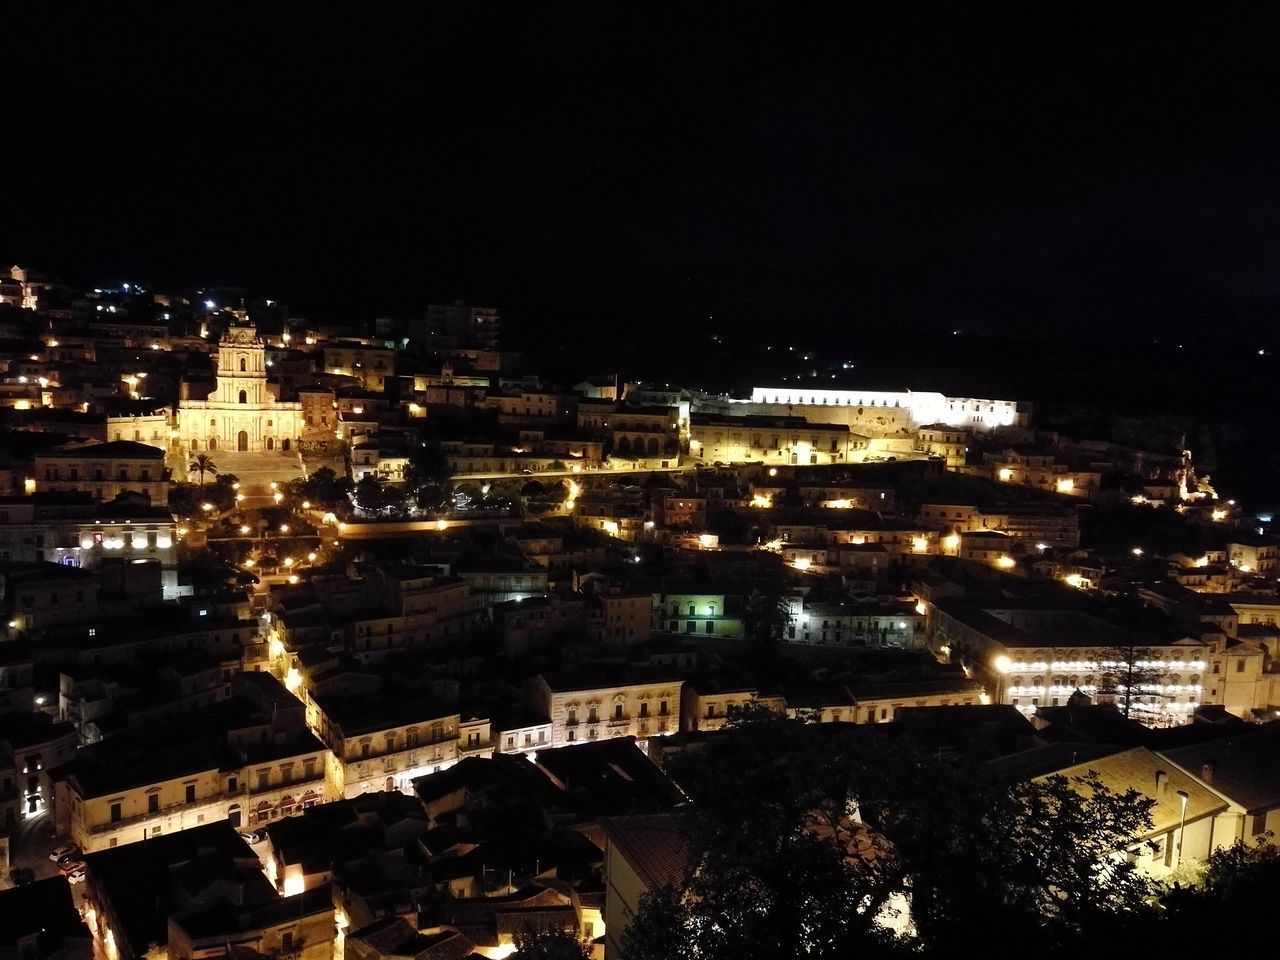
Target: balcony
[[312, 782], [618, 722]]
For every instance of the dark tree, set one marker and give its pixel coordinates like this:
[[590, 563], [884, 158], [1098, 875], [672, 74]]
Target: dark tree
[[829, 830], [550, 945]]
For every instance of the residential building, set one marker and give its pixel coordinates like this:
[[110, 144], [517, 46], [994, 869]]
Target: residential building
[[105, 470], [592, 705], [379, 744]]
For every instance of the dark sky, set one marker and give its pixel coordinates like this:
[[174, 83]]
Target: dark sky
[[993, 167]]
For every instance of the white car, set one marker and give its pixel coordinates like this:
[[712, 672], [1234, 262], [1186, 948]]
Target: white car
[[66, 850], [76, 876]]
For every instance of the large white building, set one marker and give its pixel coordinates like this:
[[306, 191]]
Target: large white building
[[898, 409], [242, 413]]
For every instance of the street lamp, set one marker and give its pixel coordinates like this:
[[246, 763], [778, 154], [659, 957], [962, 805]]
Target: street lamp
[[1183, 797]]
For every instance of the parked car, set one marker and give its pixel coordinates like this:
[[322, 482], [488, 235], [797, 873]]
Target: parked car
[[66, 850], [76, 876], [69, 867], [21, 876]]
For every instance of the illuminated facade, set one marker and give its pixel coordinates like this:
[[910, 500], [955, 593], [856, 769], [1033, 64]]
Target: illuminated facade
[[105, 470], [773, 440], [242, 414], [583, 709], [922, 407]]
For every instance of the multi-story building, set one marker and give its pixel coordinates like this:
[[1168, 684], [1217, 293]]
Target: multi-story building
[[151, 427], [617, 618], [372, 363], [874, 624], [1254, 555], [939, 441], [696, 613], [1029, 654], [707, 704], [76, 531], [249, 760], [319, 413], [587, 706], [909, 408], [35, 744], [105, 470], [379, 744], [645, 432], [772, 440]]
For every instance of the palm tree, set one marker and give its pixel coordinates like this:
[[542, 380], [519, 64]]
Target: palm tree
[[202, 465]]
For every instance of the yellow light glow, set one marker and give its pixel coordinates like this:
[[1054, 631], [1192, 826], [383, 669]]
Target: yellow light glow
[[840, 504], [239, 497], [293, 578], [919, 544], [951, 542], [206, 507], [1219, 515], [181, 531], [284, 528], [1202, 561], [277, 497], [248, 564], [1066, 485], [1005, 562], [773, 471], [244, 529], [274, 485], [440, 525], [706, 539], [1003, 664], [288, 561], [984, 699], [1245, 568], [341, 527], [1074, 580], [29, 485], [1006, 474], [921, 608], [306, 504], [759, 500], [311, 557], [329, 518], [610, 527], [801, 563]]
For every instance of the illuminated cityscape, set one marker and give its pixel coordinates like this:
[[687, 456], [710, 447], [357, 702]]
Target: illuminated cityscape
[[624, 513]]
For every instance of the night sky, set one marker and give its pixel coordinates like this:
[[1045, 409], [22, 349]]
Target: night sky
[[1021, 167]]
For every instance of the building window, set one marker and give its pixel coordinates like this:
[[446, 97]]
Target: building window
[[191, 793], [244, 396], [115, 813], [153, 803], [617, 711], [592, 716]]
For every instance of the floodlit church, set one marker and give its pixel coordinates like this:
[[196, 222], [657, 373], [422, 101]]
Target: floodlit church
[[241, 414]]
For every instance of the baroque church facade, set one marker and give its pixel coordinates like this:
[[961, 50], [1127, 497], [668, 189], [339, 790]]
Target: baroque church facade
[[242, 414]]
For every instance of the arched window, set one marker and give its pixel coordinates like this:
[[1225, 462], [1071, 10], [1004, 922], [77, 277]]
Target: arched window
[[243, 365], [213, 421], [244, 396]]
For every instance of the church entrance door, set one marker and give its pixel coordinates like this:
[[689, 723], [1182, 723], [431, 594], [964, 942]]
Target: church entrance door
[[242, 441]]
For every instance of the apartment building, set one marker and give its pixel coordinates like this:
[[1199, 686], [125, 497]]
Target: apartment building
[[377, 744], [593, 705], [105, 470]]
